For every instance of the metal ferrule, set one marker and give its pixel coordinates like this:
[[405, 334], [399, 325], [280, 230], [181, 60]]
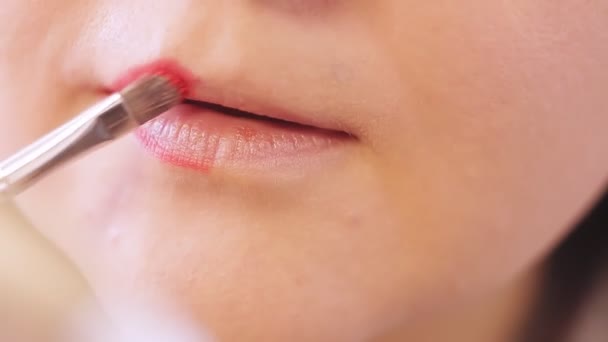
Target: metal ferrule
[[105, 121]]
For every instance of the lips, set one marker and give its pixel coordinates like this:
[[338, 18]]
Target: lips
[[205, 133]]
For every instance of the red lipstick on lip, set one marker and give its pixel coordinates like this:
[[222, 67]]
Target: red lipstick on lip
[[183, 79], [200, 136]]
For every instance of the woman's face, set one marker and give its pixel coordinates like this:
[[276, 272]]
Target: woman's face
[[455, 143]]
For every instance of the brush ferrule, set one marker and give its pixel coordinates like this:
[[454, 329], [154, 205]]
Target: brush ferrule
[[114, 118], [102, 122], [107, 120]]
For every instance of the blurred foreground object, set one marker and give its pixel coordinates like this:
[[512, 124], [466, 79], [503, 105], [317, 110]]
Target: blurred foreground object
[[39, 289], [44, 299]]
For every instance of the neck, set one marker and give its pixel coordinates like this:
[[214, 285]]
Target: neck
[[496, 318]]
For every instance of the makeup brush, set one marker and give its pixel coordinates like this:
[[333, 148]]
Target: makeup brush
[[109, 119]]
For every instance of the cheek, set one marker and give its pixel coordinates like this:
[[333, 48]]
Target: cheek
[[502, 147], [35, 93], [510, 100]]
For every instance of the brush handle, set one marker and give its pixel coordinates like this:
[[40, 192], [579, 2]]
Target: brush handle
[[103, 122], [116, 115]]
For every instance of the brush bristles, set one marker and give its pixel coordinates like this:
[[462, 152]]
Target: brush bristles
[[149, 97]]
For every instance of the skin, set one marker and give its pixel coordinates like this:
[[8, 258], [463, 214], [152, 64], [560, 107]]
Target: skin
[[480, 131]]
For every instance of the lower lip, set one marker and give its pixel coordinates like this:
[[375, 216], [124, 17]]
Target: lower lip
[[202, 139]]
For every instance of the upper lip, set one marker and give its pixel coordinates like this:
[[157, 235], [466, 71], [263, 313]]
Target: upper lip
[[236, 112], [240, 103], [245, 98]]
